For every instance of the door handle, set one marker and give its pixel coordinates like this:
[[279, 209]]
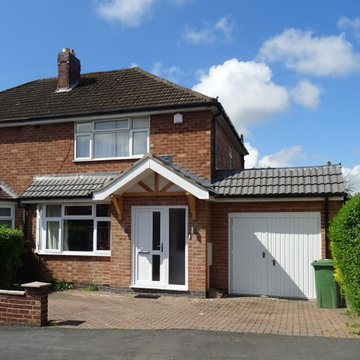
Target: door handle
[[263, 254], [143, 252], [162, 247], [274, 262]]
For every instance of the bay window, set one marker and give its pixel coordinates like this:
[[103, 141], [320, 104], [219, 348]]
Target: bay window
[[74, 229], [112, 139]]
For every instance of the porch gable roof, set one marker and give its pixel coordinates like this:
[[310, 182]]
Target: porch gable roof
[[189, 182]]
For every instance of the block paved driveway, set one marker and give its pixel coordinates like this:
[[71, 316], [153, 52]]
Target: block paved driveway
[[102, 310]]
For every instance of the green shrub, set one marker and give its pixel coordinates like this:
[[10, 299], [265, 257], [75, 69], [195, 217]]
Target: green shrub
[[12, 248], [344, 233], [59, 285]]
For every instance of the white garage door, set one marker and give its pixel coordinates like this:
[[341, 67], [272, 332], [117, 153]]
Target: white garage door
[[271, 253]]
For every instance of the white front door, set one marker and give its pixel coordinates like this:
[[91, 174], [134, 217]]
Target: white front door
[[271, 253], [159, 244]]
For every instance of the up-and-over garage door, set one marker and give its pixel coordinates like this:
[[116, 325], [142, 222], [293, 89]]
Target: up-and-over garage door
[[271, 253]]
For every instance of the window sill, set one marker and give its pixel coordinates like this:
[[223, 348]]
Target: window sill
[[109, 159], [75, 253]]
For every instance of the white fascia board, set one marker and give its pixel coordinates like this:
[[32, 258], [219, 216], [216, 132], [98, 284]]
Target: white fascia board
[[137, 173], [179, 181], [131, 176], [276, 199]]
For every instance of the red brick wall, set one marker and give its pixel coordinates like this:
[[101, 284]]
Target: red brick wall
[[49, 149], [189, 142], [220, 235], [28, 309], [116, 270], [223, 144]]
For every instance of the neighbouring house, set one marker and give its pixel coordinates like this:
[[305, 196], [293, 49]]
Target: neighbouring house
[[130, 182]]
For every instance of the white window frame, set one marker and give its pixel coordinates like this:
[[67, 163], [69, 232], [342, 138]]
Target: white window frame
[[12, 213], [41, 234], [130, 130]]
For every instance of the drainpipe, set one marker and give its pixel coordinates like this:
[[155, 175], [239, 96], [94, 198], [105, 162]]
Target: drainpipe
[[326, 221], [213, 142]]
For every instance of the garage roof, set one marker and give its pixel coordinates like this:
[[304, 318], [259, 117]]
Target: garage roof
[[277, 182]]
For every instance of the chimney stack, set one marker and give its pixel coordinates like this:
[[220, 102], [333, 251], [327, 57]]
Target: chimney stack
[[68, 70]]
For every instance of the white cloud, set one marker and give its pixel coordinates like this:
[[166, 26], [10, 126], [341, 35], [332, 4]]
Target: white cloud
[[306, 94], [282, 158], [251, 160], [209, 33], [202, 36], [129, 13], [226, 27], [171, 73], [354, 25], [246, 91], [352, 176], [305, 53]]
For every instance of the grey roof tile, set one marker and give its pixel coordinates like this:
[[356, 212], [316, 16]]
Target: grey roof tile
[[273, 182], [101, 92], [65, 186]]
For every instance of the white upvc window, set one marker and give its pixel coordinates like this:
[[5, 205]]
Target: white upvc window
[[74, 229], [112, 139], [7, 214]]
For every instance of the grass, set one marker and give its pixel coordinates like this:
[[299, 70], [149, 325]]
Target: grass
[[90, 288]]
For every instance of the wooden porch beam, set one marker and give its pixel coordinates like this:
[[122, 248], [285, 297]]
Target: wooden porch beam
[[144, 186], [156, 182], [117, 200], [192, 205], [159, 193], [167, 187]]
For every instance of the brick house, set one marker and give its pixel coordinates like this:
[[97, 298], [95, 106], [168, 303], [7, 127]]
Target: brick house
[[130, 182]]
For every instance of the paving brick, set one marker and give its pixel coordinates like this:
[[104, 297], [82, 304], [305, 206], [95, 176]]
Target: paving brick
[[100, 310]]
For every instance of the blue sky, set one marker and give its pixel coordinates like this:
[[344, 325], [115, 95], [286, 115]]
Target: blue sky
[[287, 72]]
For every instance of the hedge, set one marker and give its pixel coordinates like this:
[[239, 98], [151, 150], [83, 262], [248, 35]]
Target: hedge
[[344, 234], [12, 247]]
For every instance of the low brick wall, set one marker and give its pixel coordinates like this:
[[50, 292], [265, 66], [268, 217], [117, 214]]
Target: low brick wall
[[29, 307]]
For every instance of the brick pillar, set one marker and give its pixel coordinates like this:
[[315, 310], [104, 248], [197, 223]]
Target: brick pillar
[[37, 293]]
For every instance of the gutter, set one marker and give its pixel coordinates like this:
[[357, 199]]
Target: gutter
[[45, 119]]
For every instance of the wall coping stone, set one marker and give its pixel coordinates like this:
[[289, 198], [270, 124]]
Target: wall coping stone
[[36, 285], [12, 292]]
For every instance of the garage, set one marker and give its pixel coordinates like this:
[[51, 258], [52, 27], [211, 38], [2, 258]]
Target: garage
[[271, 253]]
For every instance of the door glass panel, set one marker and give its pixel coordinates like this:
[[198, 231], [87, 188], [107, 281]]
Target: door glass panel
[[156, 268], [177, 246], [156, 230]]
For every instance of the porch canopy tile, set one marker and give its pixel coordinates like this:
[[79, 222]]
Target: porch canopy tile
[[66, 186]]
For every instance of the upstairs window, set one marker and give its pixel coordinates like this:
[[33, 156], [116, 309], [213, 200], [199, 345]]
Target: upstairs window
[[113, 139]]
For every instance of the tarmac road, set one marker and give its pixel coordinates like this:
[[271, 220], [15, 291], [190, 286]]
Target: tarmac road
[[56, 343]]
